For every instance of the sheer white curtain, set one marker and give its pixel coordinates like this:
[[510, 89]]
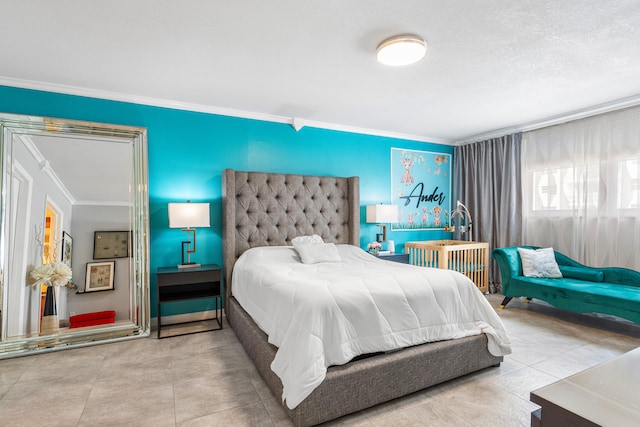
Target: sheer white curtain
[[581, 188]]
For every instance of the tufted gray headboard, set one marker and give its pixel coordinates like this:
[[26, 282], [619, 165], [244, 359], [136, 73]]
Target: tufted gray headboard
[[270, 209]]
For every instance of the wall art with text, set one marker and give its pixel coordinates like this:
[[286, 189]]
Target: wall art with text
[[421, 187]]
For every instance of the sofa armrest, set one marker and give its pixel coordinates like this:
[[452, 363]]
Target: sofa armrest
[[509, 263]]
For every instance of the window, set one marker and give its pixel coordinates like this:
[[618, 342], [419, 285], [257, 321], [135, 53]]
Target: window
[[629, 184], [565, 188], [582, 188]]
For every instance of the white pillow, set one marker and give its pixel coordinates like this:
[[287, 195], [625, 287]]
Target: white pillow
[[304, 240], [539, 263], [313, 253]]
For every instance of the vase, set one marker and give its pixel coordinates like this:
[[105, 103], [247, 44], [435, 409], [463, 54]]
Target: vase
[[62, 297], [50, 313]]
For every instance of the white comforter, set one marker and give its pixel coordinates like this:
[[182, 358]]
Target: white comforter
[[325, 314]]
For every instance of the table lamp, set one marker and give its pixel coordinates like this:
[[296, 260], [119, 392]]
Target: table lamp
[[382, 214], [188, 216]]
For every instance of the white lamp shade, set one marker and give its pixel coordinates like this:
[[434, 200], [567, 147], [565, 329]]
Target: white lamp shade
[[187, 215], [382, 213]]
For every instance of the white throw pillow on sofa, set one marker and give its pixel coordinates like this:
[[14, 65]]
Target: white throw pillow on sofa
[[539, 263]]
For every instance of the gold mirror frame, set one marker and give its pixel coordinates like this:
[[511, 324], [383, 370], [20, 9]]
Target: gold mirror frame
[[14, 125]]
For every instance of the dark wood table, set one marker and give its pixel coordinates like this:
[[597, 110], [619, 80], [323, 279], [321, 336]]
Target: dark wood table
[[181, 284]]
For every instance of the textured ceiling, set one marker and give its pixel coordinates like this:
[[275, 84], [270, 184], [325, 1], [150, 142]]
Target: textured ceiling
[[491, 65]]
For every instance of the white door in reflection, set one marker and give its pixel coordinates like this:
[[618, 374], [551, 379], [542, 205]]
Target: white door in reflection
[[19, 298]]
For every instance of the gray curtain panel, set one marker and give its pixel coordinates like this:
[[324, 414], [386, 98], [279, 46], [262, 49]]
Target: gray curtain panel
[[488, 181]]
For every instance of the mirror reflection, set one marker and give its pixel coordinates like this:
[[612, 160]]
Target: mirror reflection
[[74, 234]]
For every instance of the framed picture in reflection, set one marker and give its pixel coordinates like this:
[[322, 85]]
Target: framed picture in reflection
[[100, 276], [111, 244], [67, 249]]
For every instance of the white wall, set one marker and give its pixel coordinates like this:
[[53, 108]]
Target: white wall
[[86, 221]]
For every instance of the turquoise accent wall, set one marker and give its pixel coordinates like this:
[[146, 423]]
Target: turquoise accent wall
[[188, 151]]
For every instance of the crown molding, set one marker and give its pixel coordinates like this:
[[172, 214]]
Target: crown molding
[[299, 123], [296, 122], [45, 166], [607, 107]]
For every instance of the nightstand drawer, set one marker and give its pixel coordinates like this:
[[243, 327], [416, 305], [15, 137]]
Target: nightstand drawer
[[183, 277]]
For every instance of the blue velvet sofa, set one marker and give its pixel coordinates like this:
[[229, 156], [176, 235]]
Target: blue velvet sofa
[[582, 289]]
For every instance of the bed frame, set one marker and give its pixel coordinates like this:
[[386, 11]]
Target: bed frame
[[269, 209]]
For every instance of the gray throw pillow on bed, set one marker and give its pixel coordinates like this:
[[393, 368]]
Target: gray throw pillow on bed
[[539, 263], [312, 253]]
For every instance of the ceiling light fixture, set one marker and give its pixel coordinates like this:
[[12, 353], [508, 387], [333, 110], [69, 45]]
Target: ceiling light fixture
[[401, 50]]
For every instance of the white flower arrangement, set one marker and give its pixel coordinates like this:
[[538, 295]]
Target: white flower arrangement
[[52, 274]]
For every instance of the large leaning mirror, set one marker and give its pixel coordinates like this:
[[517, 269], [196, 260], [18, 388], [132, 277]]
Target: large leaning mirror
[[73, 235]]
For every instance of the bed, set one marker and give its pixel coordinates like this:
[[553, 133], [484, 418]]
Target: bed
[[267, 209]]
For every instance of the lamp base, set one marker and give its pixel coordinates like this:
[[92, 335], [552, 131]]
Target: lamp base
[[191, 265]]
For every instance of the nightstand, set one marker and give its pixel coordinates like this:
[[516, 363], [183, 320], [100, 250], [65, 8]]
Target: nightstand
[[401, 258], [176, 284]]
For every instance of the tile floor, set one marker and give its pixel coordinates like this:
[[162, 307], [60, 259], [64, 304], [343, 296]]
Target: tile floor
[[206, 379]]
